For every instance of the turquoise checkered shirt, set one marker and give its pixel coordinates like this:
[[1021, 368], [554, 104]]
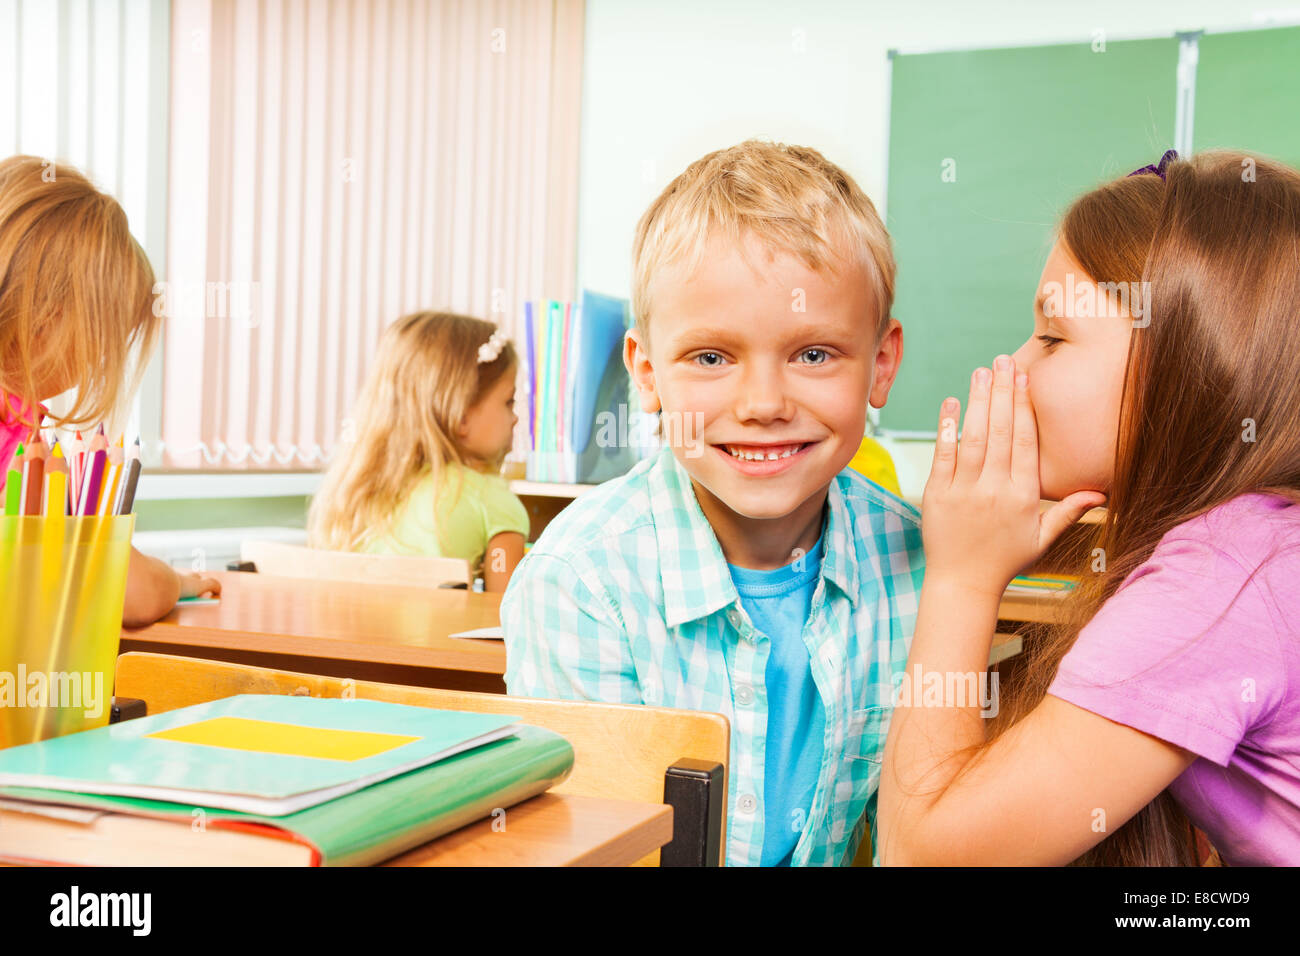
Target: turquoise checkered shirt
[[626, 598]]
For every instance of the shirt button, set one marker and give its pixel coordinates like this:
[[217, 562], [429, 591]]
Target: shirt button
[[747, 803], [734, 617], [744, 695]]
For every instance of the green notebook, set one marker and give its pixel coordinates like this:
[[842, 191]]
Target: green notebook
[[261, 754], [363, 827]]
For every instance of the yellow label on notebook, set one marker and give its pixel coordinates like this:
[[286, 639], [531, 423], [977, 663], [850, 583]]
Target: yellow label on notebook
[[264, 736]]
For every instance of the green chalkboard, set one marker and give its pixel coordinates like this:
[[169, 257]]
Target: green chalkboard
[[1020, 132], [1247, 91]]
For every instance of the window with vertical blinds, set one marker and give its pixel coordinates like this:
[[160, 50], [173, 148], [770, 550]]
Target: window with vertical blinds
[[85, 82], [334, 165]]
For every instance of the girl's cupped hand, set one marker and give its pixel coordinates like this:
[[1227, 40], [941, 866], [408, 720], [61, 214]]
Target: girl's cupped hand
[[980, 518]]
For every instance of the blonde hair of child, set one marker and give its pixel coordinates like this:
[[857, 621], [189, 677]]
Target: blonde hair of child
[[76, 291], [425, 378], [791, 198]]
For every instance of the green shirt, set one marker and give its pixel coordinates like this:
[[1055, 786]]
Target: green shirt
[[471, 508]]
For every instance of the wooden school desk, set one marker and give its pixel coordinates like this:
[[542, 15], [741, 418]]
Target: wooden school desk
[[1026, 608], [551, 829], [386, 633]]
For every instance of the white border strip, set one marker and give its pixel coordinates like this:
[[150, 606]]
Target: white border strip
[[252, 485], [1073, 40], [1185, 92]]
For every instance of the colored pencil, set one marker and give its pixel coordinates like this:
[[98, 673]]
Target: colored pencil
[[14, 485], [34, 475], [112, 477], [130, 478], [89, 498], [96, 465], [56, 484], [76, 469], [108, 493]]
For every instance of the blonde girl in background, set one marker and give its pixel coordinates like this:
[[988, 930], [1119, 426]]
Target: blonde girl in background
[[76, 301], [422, 473]]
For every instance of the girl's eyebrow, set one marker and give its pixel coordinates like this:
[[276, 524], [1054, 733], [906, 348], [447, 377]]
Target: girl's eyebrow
[[1039, 301]]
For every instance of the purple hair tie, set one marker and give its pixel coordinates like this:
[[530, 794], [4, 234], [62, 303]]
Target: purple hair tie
[[1165, 160]]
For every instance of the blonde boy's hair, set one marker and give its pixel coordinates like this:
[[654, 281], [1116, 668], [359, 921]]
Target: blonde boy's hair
[[76, 290], [790, 197], [425, 377]]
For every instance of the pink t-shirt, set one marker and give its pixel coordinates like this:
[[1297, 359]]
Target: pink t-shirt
[[13, 431], [1197, 650]]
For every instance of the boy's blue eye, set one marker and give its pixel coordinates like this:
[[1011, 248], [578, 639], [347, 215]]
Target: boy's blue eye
[[704, 355], [821, 352]]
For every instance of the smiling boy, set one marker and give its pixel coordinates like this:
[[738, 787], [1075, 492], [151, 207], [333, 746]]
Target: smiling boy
[[743, 569]]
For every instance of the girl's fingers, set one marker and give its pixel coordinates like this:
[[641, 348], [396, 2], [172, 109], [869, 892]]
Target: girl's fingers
[[945, 446], [1001, 410], [1024, 447], [1065, 513], [975, 430]]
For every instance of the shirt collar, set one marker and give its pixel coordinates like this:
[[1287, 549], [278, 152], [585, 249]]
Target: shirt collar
[[839, 545], [692, 569]]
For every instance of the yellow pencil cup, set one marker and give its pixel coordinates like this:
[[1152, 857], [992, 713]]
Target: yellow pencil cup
[[62, 587]]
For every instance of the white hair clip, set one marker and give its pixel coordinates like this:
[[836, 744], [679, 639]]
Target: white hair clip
[[489, 350]]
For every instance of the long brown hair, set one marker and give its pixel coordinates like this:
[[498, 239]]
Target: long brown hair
[[76, 291], [1211, 403], [425, 377]]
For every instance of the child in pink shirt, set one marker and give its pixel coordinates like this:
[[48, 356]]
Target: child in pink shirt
[[1166, 386]]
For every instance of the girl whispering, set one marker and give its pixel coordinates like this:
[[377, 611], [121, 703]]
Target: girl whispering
[[432, 426], [1169, 694]]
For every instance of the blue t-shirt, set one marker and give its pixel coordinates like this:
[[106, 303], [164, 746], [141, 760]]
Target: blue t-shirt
[[779, 602]]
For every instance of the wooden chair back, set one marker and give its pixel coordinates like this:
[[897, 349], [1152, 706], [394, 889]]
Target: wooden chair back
[[296, 561]]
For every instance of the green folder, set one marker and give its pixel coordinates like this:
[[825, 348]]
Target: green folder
[[254, 753], [384, 819]]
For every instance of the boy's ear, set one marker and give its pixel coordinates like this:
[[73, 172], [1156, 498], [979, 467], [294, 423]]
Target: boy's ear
[[889, 355], [637, 359]]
